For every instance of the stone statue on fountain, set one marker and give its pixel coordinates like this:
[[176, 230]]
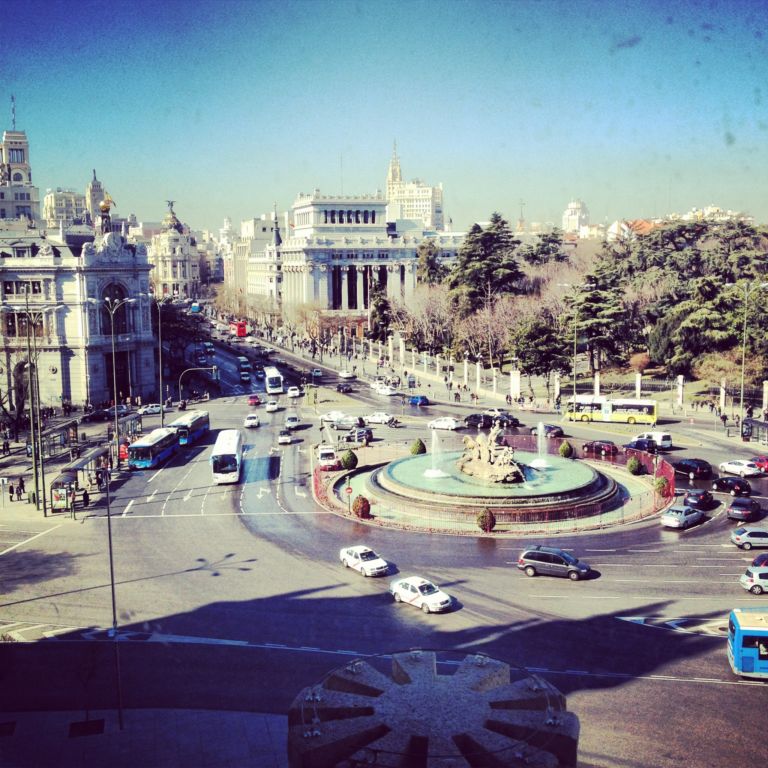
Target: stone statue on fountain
[[485, 459]]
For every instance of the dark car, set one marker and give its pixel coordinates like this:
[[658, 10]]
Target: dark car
[[649, 446], [254, 399], [358, 435], [699, 499], [508, 420], [736, 486], [761, 560], [478, 420], [549, 561], [418, 400], [97, 415], [343, 387], [696, 467], [550, 430], [744, 508], [600, 447]]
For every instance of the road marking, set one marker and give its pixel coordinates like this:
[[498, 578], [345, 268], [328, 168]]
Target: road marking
[[601, 550], [644, 551], [32, 538], [128, 506]]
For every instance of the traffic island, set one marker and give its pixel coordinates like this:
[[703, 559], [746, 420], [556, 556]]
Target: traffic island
[[431, 708]]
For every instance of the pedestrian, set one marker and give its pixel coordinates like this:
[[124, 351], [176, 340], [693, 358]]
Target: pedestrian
[[10, 491], [6, 448], [723, 418], [18, 492], [21, 485], [86, 498]]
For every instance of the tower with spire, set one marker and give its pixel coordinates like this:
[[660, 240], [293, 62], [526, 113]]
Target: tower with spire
[[394, 175], [20, 199], [413, 200]]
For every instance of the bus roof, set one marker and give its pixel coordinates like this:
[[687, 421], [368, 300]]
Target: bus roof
[[155, 436], [186, 419], [751, 618], [270, 370], [227, 441], [604, 399]]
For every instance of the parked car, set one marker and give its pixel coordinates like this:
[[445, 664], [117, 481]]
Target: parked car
[[291, 421], [254, 399], [550, 430], [378, 417], [743, 508], [97, 415], [363, 560], [746, 537], [681, 517], [152, 408], [357, 435], [421, 593], [736, 486], [755, 580], [600, 448], [444, 422], [761, 462], [478, 421], [418, 400], [740, 467], [699, 499], [550, 561], [344, 388], [284, 437], [122, 410], [649, 446], [252, 420], [699, 468]]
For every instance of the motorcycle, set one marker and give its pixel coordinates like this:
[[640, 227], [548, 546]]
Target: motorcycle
[[393, 423]]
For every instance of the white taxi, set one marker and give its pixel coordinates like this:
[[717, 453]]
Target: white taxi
[[421, 593], [363, 560]]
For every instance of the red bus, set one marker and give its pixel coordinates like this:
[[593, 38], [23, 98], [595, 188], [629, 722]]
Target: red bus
[[238, 328]]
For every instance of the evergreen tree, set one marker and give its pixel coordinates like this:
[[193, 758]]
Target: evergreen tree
[[429, 268]]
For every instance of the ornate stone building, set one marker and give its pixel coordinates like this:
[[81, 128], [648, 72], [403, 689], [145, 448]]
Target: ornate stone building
[[413, 199], [177, 261], [18, 197]]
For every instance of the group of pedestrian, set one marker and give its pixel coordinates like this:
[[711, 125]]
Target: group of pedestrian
[[16, 490]]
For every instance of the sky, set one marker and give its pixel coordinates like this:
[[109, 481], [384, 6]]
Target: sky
[[229, 107]]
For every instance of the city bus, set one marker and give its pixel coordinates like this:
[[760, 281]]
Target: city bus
[[238, 328], [601, 408], [273, 380], [748, 642], [191, 426], [227, 456], [153, 449]]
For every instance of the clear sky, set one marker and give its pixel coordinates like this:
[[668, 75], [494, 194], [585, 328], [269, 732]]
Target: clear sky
[[228, 106]]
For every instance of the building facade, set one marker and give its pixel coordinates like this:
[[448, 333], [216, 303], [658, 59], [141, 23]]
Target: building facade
[[64, 207], [413, 199], [575, 217], [18, 197], [176, 260]]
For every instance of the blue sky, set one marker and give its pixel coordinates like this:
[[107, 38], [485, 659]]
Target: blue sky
[[637, 108]]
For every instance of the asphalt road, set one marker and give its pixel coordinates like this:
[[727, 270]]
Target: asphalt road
[[232, 597]]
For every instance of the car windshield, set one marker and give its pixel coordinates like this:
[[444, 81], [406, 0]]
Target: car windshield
[[570, 559], [427, 589], [369, 554]]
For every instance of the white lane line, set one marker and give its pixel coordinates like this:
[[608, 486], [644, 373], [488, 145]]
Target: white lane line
[[32, 538], [129, 505], [601, 550], [644, 551]]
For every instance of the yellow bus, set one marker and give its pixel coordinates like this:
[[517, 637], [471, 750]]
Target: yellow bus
[[621, 410]]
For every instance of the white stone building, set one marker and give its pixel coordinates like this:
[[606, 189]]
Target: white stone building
[[64, 207], [176, 259], [18, 197], [575, 216], [413, 199]]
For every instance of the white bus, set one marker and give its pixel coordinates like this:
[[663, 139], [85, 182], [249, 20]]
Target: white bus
[[600, 408], [273, 380], [227, 456]]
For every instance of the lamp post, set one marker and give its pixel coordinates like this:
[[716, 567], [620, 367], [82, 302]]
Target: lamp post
[[575, 331], [158, 302], [747, 291]]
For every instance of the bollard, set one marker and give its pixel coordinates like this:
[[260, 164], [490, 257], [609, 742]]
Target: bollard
[[31, 498]]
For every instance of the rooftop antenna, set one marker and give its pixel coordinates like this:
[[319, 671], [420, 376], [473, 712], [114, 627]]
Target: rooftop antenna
[[13, 112]]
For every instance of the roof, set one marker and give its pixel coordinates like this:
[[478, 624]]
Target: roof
[[751, 618]]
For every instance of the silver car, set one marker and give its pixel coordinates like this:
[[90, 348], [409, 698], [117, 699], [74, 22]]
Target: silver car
[[755, 580], [681, 517]]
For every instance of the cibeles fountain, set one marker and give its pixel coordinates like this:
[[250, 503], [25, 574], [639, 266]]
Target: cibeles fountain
[[491, 473]]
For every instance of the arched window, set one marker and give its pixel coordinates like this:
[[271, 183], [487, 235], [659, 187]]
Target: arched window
[[18, 177], [115, 294], [373, 217], [341, 217], [365, 217], [357, 217]]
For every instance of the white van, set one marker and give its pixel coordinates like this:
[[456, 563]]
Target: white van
[[327, 457], [662, 439]]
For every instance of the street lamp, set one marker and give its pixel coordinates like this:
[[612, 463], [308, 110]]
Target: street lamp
[[158, 302], [747, 291], [33, 317], [575, 332]]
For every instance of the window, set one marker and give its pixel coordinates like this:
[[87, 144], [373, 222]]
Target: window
[[16, 155]]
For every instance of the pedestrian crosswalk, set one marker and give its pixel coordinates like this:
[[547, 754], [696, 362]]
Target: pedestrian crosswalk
[[29, 632]]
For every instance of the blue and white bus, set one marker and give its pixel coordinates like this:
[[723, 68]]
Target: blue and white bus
[[227, 456], [273, 380], [748, 642], [153, 449], [191, 426]]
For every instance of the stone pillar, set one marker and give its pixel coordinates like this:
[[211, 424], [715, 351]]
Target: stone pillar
[[390, 350], [381, 351], [722, 396], [413, 359], [478, 374], [638, 385], [514, 384], [451, 366], [344, 288], [680, 389], [324, 287], [371, 355], [466, 371], [597, 384], [438, 365], [494, 380], [426, 361], [555, 387], [361, 287], [402, 352], [765, 398]]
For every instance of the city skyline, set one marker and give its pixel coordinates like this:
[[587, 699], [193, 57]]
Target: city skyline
[[227, 107]]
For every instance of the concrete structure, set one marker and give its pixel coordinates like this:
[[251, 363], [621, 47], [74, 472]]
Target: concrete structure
[[64, 207], [575, 216], [18, 197], [484, 713], [413, 199], [61, 282], [175, 256]]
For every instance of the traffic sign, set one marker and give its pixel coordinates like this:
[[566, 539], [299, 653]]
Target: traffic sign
[[348, 489]]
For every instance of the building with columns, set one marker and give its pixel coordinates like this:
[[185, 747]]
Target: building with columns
[[18, 197], [175, 256], [413, 199], [338, 248]]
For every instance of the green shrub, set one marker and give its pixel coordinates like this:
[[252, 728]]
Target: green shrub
[[418, 447], [566, 450], [361, 507], [486, 521], [349, 460], [662, 487], [634, 467]]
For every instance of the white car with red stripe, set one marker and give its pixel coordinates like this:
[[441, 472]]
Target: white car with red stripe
[[421, 593]]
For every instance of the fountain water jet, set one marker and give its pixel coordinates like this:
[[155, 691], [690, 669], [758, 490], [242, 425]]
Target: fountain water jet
[[435, 451], [540, 462]]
